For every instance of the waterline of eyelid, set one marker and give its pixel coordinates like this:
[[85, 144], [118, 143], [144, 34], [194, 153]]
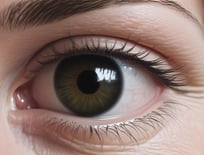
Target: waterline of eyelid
[[23, 101]]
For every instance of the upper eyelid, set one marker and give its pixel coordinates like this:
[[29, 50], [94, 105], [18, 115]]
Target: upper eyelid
[[144, 56], [142, 26], [24, 14]]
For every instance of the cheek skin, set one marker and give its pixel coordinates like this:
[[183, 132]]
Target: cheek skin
[[184, 135], [8, 144]]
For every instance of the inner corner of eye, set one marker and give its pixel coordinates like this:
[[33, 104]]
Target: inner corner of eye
[[22, 97]]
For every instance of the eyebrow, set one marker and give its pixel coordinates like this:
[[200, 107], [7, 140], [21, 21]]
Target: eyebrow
[[29, 13]]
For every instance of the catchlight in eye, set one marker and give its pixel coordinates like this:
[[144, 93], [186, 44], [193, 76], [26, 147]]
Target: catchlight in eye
[[88, 85]]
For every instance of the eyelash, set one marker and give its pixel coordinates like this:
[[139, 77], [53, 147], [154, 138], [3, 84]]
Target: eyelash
[[167, 76], [155, 119], [143, 126]]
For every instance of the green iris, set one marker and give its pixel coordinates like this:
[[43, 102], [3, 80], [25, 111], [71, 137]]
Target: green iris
[[88, 85]]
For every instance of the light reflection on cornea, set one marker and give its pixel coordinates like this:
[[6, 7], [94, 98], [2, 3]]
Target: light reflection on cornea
[[109, 75], [105, 74]]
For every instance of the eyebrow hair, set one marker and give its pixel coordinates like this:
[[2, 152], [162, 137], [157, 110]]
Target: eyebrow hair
[[29, 13]]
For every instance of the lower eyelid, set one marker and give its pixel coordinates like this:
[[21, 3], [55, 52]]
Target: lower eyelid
[[60, 130]]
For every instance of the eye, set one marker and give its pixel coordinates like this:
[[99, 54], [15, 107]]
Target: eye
[[98, 79]]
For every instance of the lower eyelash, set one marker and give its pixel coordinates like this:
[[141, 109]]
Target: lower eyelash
[[143, 127]]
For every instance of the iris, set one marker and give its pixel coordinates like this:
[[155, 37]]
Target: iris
[[88, 85]]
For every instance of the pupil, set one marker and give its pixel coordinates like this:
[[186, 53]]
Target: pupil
[[87, 82]]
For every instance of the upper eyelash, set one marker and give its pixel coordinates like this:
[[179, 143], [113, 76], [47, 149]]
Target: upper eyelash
[[167, 76]]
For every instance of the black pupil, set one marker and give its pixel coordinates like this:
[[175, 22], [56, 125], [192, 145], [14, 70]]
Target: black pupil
[[87, 82]]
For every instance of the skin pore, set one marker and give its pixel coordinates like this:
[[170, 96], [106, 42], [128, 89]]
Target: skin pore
[[170, 30]]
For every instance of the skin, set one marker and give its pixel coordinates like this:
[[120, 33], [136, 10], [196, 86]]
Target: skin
[[180, 40]]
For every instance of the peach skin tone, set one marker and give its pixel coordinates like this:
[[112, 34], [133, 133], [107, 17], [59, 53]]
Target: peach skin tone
[[95, 77]]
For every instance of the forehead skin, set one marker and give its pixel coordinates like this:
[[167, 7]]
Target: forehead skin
[[195, 6]]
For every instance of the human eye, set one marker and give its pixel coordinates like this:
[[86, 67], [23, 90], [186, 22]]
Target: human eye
[[89, 75], [90, 85], [93, 89]]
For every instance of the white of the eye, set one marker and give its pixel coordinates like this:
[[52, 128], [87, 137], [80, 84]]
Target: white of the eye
[[140, 90], [140, 87]]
